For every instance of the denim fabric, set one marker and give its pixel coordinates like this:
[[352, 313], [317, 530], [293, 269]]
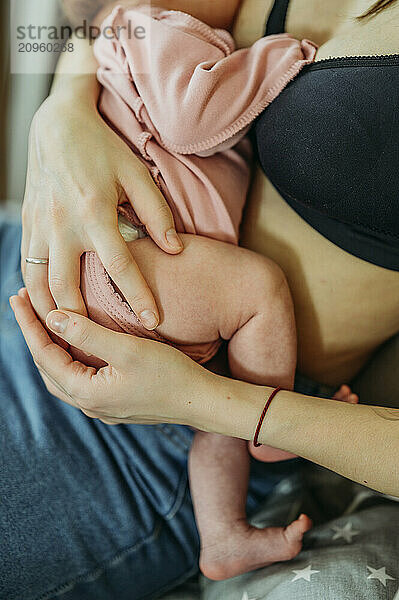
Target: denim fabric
[[89, 511]]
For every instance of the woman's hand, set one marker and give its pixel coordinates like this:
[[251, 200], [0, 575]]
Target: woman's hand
[[145, 382], [149, 382], [79, 171]]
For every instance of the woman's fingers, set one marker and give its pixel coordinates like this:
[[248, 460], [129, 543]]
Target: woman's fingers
[[151, 207], [64, 277], [123, 270], [71, 377], [84, 334], [36, 278], [25, 240]]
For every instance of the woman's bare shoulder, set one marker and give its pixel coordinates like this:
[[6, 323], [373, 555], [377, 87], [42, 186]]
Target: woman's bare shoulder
[[250, 21], [312, 19], [332, 25]]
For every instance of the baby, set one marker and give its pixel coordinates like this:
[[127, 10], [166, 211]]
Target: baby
[[183, 101]]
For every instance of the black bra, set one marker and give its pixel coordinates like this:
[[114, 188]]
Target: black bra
[[329, 143]]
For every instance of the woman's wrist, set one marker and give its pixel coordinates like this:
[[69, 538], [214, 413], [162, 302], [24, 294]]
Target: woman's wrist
[[61, 115], [226, 406], [75, 79], [75, 90], [75, 86]]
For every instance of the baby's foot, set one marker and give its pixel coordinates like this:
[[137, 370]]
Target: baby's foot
[[345, 394], [239, 548]]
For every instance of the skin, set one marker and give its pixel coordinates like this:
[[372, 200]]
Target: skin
[[63, 231], [215, 403], [337, 334], [199, 304], [216, 290]]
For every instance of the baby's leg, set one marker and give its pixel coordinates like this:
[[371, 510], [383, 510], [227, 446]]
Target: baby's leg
[[263, 349], [215, 290], [242, 297], [219, 471]]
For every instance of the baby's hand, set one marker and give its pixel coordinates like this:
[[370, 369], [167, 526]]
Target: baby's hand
[[345, 394]]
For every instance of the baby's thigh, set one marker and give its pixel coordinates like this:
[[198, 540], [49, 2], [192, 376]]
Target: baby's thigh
[[205, 292]]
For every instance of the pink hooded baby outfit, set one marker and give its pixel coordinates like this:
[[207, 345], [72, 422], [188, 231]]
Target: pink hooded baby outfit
[[182, 98]]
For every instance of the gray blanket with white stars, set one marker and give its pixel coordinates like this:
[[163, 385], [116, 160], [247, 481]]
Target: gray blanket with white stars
[[352, 552]]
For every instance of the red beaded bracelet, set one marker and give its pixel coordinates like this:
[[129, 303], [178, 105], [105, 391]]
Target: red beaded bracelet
[[262, 417]]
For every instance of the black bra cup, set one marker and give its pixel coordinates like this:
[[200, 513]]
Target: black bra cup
[[329, 143]]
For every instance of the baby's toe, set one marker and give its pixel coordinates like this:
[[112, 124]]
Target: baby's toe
[[345, 394]]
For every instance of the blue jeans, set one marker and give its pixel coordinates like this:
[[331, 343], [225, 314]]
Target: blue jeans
[[87, 511]]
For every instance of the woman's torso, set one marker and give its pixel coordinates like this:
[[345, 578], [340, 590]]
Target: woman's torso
[[345, 306]]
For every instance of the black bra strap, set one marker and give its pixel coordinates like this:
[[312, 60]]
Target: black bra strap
[[277, 17]]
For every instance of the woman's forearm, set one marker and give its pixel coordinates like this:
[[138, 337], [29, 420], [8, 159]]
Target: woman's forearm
[[75, 75], [358, 441]]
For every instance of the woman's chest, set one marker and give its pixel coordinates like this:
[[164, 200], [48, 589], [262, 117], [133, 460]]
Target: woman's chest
[[345, 307], [332, 25], [313, 19]]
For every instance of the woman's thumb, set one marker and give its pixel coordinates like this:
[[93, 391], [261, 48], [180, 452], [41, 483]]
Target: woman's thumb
[[86, 335]]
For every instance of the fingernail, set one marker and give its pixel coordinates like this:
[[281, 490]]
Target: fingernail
[[57, 321], [173, 239], [11, 300], [148, 319]]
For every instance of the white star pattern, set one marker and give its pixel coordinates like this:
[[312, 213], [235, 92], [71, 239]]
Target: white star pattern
[[305, 573], [246, 597], [346, 532], [379, 574]]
